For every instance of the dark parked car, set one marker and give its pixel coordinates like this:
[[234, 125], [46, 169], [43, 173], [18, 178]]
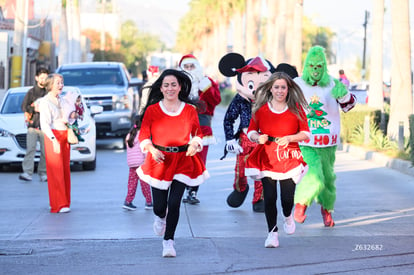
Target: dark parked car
[[107, 84]]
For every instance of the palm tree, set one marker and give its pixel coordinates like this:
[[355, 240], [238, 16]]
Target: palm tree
[[296, 58], [375, 98], [252, 27], [401, 88], [271, 35]]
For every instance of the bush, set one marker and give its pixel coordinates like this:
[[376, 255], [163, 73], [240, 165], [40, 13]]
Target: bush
[[356, 117], [352, 131]]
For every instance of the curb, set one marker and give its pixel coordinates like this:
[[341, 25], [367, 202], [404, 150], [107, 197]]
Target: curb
[[403, 166]]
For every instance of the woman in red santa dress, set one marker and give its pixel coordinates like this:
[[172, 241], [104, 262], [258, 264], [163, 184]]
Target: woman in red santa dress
[[171, 134], [278, 123]]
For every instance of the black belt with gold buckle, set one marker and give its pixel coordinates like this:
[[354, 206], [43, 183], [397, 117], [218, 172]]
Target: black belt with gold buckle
[[172, 149], [272, 139]]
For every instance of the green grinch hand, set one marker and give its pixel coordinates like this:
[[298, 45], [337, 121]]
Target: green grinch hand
[[339, 90]]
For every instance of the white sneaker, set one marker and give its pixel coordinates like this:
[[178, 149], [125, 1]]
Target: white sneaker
[[289, 225], [25, 176], [272, 240], [64, 210], [168, 248], [159, 225], [43, 178]]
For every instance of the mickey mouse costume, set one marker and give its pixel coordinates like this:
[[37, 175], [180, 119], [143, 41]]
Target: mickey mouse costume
[[250, 74]]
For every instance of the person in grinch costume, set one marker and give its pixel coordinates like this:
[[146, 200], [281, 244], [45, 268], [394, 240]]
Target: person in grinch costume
[[326, 96]]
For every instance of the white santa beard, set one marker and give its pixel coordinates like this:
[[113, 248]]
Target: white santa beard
[[194, 90]]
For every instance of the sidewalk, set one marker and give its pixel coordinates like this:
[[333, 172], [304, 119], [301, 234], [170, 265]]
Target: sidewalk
[[400, 165], [374, 217]]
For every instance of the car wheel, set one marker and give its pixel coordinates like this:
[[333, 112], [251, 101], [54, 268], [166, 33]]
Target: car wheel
[[89, 165]]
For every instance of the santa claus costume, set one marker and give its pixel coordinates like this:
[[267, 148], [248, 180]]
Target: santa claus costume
[[205, 90]]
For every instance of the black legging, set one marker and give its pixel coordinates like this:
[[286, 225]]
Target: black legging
[[170, 198], [287, 192]]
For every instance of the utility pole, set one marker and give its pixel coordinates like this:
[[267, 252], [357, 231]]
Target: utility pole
[[103, 42], [365, 43], [18, 41]]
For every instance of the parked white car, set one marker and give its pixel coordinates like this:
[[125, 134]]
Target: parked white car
[[13, 131]]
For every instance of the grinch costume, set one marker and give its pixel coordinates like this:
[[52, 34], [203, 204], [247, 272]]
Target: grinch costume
[[326, 95]]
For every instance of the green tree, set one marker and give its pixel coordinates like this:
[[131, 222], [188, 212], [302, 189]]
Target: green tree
[[316, 35], [137, 45]]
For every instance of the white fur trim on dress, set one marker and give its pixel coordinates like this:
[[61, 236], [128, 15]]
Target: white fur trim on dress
[[296, 174], [164, 185], [209, 140], [144, 143]]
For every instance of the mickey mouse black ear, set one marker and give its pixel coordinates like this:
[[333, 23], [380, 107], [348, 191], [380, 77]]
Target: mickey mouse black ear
[[230, 63], [288, 69]]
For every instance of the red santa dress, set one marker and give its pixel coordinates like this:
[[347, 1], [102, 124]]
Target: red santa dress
[[168, 129], [270, 159]]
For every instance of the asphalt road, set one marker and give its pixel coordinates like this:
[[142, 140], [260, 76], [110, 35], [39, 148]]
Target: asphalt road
[[374, 217]]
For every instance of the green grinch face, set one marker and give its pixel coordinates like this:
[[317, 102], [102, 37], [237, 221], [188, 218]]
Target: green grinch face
[[315, 68]]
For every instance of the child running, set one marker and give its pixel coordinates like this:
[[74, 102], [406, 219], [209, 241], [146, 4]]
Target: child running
[[135, 158]]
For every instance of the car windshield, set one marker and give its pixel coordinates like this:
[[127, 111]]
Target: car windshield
[[13, 104], [91, 76]]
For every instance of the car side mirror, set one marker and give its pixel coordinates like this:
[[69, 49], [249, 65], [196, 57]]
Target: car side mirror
[[96, 109]]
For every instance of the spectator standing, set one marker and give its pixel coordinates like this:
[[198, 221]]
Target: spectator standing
[[34, 133], [53, 123], [343, 78]]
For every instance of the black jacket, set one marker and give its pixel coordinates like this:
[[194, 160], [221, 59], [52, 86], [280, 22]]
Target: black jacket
[[27, 105]]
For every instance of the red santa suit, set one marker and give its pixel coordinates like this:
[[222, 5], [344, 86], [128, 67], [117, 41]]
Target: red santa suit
[[209, 95], [206, 90], [270, 159], [156, 128]]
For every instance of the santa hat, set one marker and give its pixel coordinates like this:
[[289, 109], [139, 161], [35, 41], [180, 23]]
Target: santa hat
[[257, 64], [188, 59]]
